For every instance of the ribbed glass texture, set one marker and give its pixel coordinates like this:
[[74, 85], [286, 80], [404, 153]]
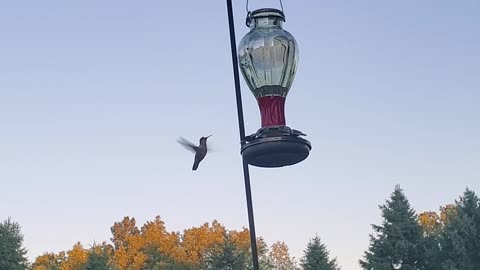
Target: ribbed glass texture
[[268, 56]]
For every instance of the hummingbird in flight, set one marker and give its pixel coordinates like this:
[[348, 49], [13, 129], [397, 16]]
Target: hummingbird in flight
[[200, 151]]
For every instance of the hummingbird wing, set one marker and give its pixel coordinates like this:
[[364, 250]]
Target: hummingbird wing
[[187, 145]]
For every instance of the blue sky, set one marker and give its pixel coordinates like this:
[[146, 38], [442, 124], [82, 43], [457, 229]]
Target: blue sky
[[93, 95]]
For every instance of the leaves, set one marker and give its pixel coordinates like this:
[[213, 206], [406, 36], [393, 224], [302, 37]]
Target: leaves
[[444, 240], [316, 256], [12, 252], [398, 240], [280, 257]]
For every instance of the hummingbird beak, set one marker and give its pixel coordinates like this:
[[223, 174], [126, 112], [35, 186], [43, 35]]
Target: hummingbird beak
[[209, 136]]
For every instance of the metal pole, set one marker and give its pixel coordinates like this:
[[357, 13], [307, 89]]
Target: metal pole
[[241, 126]]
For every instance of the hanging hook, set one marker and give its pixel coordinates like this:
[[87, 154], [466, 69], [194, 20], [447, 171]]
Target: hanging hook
[[247, 21], [281, 5], [248, 11]]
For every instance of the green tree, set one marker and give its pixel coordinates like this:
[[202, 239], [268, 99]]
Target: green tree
[[12, 252], [460, 239], [397, 243], [432, 226], [225, 256], [316, 257], [264, 261], [98, 261], [158, 260]]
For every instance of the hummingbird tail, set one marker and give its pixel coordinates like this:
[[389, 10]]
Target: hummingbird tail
[[195, 166]]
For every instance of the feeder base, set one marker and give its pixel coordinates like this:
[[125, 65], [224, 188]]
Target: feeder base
[[274, 150]]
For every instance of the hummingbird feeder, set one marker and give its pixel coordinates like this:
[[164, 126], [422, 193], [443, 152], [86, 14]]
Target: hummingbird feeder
[[268, 57]]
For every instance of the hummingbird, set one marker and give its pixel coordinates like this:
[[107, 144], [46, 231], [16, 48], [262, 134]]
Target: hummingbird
[[200, 151]]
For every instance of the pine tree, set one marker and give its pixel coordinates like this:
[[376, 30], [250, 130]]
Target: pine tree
[[397, 243], [460, 239], [432, 226], [98, 261], [316, 257], [12, 252], [225, 256]]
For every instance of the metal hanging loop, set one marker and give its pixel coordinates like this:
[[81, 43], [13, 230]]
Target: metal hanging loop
[[247, 22]]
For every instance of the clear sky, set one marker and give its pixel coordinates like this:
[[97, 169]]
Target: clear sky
[[93, 95]]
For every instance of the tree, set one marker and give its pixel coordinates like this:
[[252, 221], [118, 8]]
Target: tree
[[316, 257], [100, 257], [397, 243], [12, 252], [280, 257], [76, 258], [225, 256], [264, 260], [460, 239], [432, 225], [156, 260], [159, 246], [98, 261], [49, 261], [198, 240], [447, 212], [127, 243], [430, 222], [242, 240]]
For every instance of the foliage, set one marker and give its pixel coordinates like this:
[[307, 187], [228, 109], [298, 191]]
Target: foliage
[[76, 258], [460, 239], [152, 247], [12, 252], [225, 256], [49, 261], [445, 240], [280, 257], [397, 243], [316, 256]]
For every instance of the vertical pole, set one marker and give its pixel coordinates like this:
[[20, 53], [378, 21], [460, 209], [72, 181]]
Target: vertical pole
[[241, 125]]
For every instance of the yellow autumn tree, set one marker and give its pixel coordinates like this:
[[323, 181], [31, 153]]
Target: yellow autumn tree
[[430, 222], [280, 257], [155, 237], [153, 247], [127, 243], [198, 240], [241, 238], [49, 261], [76, 258]]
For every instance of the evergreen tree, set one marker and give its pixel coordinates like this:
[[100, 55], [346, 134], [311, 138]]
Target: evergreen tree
[[397, 243], [225, 256], [432, 226], [316, 257], [98, 261], [460, 239], [12, 252]]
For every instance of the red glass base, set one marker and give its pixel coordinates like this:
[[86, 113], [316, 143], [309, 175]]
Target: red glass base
[[272, 110]]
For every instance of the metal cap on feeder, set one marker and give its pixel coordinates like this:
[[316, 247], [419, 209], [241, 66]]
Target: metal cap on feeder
[[268, 57]]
